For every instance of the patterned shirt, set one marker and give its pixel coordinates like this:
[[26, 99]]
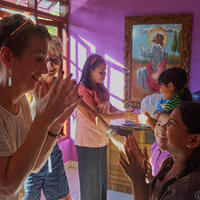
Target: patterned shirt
[[161, 105], [173, 103]]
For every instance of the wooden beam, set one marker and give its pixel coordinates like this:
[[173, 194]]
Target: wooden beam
[[31, 11]]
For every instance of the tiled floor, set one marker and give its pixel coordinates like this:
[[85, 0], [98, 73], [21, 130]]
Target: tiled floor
[[72, 175]]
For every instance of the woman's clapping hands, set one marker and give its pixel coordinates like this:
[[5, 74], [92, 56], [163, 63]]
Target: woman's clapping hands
[[136, 163], [53, 102]]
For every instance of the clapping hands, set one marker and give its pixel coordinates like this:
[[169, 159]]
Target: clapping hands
[[54, 103], [136, 163]]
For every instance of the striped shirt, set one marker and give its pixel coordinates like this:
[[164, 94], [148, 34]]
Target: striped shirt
[[173, 103]]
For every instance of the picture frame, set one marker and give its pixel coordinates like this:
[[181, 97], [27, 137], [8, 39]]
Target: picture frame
[[153, 44]]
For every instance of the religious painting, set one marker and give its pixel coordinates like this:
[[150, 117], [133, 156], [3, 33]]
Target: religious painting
[[153, 44]]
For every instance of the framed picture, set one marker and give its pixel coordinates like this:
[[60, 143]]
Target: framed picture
[[153, 44]]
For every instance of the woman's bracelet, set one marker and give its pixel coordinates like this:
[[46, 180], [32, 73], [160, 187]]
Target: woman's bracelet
[[60, 134]]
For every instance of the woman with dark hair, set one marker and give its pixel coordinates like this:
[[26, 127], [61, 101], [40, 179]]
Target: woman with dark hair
[[26, 144], [179, 177], [91, 141]]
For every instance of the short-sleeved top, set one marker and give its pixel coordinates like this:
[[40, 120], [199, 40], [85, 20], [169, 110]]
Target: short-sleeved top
[[157, 158], [185, 188], [173, 103], [13, 131], [87, 134], [161, 105]]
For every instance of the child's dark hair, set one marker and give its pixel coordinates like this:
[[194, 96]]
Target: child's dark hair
[[91, 63], [16, 30], [178, 77], [190, 114]]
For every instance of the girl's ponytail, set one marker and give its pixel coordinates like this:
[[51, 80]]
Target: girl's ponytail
[[185, 94]]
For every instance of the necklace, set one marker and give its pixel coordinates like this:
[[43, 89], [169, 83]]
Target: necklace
[[174, 175]]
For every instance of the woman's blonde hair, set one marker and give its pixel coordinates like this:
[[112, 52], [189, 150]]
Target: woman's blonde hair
[[55, 46]]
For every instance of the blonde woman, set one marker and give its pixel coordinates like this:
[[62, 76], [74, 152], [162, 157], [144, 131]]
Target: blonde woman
[[51, 179]]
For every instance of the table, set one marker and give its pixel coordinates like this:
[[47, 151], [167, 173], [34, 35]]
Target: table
[[117, 180]]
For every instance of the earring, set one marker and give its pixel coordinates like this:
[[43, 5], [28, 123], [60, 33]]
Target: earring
[[9, 80]]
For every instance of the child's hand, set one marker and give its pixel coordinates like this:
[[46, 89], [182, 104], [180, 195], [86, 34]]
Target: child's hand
[[150, 120], [148, 117]]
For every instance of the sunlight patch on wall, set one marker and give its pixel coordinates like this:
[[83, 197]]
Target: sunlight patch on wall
[[72, 49], [116, 83], [117, 103], [73, 70], [92, 47], [108, 58], [82, 55], [106, 78]]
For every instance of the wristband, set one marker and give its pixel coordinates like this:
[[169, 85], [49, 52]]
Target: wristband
[[55, 135]]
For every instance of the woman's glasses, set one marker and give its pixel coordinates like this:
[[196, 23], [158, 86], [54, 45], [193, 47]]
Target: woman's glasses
[[55, 60]]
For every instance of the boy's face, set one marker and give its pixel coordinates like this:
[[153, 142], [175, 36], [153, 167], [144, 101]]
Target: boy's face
[[167, 91], [160, 130]]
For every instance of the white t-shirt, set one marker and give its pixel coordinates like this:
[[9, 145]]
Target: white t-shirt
[[13, 131]]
